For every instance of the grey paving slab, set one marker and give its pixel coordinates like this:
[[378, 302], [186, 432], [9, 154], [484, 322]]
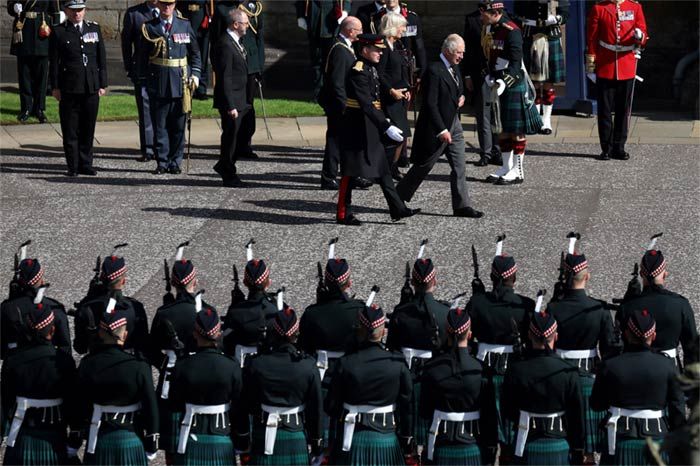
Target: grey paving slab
[[658, 129]]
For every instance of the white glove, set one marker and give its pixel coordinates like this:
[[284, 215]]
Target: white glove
[[194, 81], [394, 133], [638, 34], [501, 86], [592, 77], [17, 8], [343, 16], [552, 20], [151, 456], [61, 17], [71, 452], [301, 22]]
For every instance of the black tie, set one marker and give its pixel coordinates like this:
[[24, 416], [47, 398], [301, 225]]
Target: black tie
[[77, 28], [453, 72]]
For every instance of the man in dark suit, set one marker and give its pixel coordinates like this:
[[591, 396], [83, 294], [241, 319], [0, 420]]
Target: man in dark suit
[[78, 73], [135, 67], [230, 93], [439, 129]]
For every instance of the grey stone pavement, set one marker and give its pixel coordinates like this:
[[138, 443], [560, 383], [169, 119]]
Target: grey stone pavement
[[615, 205]]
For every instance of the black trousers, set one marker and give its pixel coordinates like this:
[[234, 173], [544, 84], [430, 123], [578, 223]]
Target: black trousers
[[247, 130], [331, 153], [318, 49], [32, 75], [226, 166], [78, 113], [344, 209], [613, 96]]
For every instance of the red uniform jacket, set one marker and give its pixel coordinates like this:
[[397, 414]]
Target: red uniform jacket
[[614, 23]]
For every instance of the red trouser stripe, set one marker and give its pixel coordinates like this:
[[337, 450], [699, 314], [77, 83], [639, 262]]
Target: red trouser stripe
[[342, 192], [548, 97], [519, 147]]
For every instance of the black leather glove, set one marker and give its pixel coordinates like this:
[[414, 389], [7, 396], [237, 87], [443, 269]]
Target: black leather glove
[[577, 457], [316, 447], [634, 289], [407, 445], [478, 286], [242, 442], [150, 443]]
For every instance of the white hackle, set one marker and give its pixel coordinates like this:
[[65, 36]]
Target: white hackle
[[40, 294], [280, 299], [198, 301], [499, 245], [23, 250], [249, 250], [572, 244], [331, 248], [372, 295], [540, 299], [111, 305], [421, 251], [180, 251], [652, 243]]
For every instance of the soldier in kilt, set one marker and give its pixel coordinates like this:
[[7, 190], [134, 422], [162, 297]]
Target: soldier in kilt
[[543, 55], [370, 398], [454, 399], [492, 316], [206, 391], [542, 397], [37, 383], [640, 391], [115, 402], [282, 391], [415, 330], [507, 83]]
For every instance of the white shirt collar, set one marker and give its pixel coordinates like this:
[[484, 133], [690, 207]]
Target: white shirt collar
[[234, 36], [347, 41], [444, 60]]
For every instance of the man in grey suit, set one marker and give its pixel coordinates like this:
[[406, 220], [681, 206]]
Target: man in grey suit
[[135, 67]]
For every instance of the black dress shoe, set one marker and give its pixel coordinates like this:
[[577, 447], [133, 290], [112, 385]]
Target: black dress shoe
[[87, 171], [71, 174], [234, 182], [403, 162], [483, 161], [396, 174], [621, 155], [330, 185], [145, 158], [174, 170], [160, 171], [405, 214], [361, 183], [468, 212], [41, 116], [249, 155], [22, 117], [350, 220], [604, 156], [545, 131], [503, 182]]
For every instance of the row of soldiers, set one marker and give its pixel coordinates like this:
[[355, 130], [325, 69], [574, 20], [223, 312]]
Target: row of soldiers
[[502, 374]]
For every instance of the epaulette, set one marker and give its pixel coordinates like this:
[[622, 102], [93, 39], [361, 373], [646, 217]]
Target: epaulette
[[90, 23], [511, 26], [359, 66], [178, 14]]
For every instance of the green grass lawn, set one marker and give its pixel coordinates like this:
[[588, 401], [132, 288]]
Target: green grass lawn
[[122, 106]]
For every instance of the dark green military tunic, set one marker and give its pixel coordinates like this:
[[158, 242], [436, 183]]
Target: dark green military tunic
[[195, 11], [248, 321], [329, 324]]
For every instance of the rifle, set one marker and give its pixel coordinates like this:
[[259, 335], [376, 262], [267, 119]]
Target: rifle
[[321, 290], [168, 297], [406, 290], [560, 285], [477, 285], [634, 288], [96, 287], [518, 344], [14, 283], [237, 295]]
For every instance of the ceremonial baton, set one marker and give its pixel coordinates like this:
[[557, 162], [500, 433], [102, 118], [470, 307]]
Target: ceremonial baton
[[637, 57], [262, 104]]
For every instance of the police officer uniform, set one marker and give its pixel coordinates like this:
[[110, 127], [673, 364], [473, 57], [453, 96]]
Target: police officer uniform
[[174, 64], [640, 392], [282, 391], [14, 311], [542, 52], [115, 402], [37, 383], [206, 391], [78, 72], [615, 32], [370, 399], [415, 330], [30, 44], [198, 14], [542, 397], [671, 311], [454, 400]]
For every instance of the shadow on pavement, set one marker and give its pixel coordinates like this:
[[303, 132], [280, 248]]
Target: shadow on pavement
[[241, 215]]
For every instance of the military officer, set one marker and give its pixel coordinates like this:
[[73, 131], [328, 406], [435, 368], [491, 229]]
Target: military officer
[[198, 14], [78, 74], [30, 44], [616, 31], [640, 391], [671, 311], [585, 336], [363, 127], [13, 311], [282, 391], [174, 69], [320, 20], [492, 316], [370, 398], [508, 84], [206, 391], [454, 399], [37, 383], [115, 402], [89, 311], [541, 24]]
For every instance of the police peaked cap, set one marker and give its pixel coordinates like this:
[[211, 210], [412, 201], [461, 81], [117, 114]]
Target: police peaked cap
[[503, 266], [337, 271], [30, 272], [458, 321], [641, 323], [543, 324], [653, 263], [286, 323], [183, 273], [256, 272], [371, 317], [207, 323], [113, 267], [374, 40], [423, 271]]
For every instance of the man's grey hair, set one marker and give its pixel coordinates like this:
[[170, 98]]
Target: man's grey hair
[[236, 14], [451, 43]]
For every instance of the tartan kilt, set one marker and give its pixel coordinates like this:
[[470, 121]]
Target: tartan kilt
[[169, 422], [122, 447], [506, 432], [556, 61], [461, 454], [36, 446], [290, 448], [630, 452], [518, 112], [369, 448], [209, 450], [595, 435], [545, 451], [420, 425]]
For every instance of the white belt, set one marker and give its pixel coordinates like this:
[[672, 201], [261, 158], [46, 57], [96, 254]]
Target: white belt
[[440, 416], [172, 359], [617, 413], [671, 353], [273, 419], [485, 348], [322, 358], [23, 404], [577, 354], [410, 353], [97, 411], [190, 411], [243, 351], [12, 346], [616, 48], [351, 419], [524, 428]]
